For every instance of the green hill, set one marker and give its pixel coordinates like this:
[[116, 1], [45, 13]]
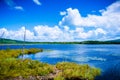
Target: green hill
[[9, 41], [116, 40]]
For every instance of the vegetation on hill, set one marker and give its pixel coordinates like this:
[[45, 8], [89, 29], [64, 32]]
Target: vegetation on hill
[[12, 68], [9, 41], [100, 42]]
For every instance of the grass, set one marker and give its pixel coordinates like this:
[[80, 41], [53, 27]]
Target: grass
[[11, 67], [8, 53], [73, 71]]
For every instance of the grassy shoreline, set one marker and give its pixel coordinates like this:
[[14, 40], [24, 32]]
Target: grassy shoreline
[[25, 69]]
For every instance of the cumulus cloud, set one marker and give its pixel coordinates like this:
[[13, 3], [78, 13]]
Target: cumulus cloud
[[2, 32], [74, 27], [108, 23], [81, 34], [39, 33], [63, 13], [37, 2], [17, 35], [47, 33], [108, 16], [100, 31]]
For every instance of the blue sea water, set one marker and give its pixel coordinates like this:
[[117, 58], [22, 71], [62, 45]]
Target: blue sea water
[[102, 56]]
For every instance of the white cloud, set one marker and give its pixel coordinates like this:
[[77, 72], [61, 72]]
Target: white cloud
[[19, 8], [107, 24], [40, 33], [72, 17], [113, 9], [79, 33], [12, 4], [2, 32], [62, 13], [66, 28], [74, 27], [18, 34], [109, 17], [47, 33], [37, 2], [100, 31]]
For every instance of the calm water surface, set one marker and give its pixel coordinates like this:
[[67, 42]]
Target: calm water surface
[[101, 56]]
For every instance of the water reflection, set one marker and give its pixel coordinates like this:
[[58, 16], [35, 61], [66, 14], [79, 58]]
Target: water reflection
[[102, 56], [69, 55]]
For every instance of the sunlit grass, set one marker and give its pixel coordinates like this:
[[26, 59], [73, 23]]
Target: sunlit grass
[[8, 53], [76, 71], [11, 67]]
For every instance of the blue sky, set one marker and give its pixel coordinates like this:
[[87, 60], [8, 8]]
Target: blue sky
[[60, 20]]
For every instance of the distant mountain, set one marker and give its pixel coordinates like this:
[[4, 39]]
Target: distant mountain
[[9, 41], [116, 40]]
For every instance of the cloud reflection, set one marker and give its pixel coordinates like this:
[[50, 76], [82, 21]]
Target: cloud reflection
[[87, 59], [68, 55]]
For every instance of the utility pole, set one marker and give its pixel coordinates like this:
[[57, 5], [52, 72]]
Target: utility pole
[[24, 37]]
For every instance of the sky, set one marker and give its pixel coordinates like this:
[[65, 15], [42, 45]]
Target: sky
[[60, 20]]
